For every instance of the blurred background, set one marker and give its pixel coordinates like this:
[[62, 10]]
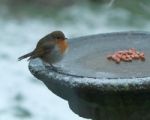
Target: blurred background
[[24, 22]]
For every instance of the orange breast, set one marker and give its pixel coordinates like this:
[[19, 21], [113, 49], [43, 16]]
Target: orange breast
[[63, 45]]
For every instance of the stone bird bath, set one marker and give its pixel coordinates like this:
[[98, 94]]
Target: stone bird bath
[[99, 89]]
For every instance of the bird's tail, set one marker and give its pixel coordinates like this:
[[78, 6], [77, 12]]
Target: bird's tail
[[25, 56]]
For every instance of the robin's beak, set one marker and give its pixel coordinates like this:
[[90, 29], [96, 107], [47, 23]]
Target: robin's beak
[[66, 38]]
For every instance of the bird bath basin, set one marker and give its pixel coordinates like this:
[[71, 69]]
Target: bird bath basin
[[97, 88]]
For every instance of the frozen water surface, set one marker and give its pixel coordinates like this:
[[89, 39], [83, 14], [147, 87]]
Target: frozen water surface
[[88, 55]]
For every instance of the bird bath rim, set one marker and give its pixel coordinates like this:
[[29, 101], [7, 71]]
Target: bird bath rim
[[102, 84]]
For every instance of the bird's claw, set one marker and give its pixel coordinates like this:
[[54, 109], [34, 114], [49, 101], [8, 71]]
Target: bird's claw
[[56, 69]]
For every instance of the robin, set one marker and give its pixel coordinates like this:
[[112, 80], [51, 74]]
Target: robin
[[50, 48]]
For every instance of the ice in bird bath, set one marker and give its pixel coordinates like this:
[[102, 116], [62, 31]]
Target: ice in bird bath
[[88, 56]]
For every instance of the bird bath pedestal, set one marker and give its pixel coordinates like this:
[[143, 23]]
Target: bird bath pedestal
[[99, 89]]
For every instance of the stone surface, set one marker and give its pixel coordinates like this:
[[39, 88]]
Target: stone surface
[[97, 88]]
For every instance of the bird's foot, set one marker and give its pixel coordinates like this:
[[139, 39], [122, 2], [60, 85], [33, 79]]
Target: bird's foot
[[56, 69]]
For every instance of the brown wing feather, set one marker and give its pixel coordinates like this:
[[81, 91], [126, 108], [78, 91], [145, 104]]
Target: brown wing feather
[[42, 49]]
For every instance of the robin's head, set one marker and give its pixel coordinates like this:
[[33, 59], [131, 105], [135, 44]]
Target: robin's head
[[58, 35]]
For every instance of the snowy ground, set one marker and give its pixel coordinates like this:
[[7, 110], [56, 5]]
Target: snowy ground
[[21, 95]]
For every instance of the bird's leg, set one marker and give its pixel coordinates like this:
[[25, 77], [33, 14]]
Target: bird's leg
[[48, 66], [56, 69], [52, 67]]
